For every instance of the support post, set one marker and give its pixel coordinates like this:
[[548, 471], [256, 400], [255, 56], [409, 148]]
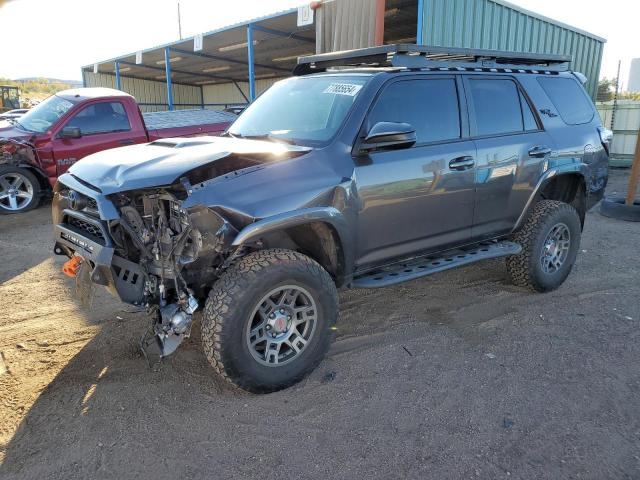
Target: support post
[[379, 25], [201, 97], [252, 76], [241, 91], [118, 81], [634, 178], [167, 71], [419, 23], [84, 78]]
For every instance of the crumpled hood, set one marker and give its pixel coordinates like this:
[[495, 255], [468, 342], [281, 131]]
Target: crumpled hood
[[163, 162], [10, 131]]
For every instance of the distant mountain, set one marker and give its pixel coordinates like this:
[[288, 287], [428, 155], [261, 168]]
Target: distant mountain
[[73, 83]]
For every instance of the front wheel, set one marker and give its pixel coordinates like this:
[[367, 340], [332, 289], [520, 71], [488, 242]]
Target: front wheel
[[267, 321], [550, 240], [19, 190]]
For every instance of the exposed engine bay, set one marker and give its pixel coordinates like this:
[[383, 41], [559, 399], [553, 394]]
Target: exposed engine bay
[[165, 255], [180, 253]]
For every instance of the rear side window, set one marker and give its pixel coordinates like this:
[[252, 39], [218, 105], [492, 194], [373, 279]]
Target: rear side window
[[569, 98], [499, 107], [429, 105]]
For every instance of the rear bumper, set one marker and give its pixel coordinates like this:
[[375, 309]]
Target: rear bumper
[[123, 279], [597, 178]]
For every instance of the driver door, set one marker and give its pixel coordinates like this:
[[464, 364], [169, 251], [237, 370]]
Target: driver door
[[420, 198], [103, 125]]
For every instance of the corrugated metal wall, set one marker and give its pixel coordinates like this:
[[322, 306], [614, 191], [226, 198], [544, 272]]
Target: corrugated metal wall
[[228, 93], [625, 129], [345, 25], [147, 91], [500, 26]]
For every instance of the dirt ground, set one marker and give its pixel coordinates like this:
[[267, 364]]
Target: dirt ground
[[460, 375]]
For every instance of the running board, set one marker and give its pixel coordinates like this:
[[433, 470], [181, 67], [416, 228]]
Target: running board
[[423, 266]]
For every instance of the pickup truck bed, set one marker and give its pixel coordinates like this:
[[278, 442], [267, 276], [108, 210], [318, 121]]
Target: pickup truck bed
[[174, 123], [185, 118]]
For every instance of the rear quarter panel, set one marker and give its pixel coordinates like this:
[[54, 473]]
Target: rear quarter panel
[[576, 147]]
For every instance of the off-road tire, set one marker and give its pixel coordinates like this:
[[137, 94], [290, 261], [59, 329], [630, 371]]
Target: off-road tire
[[525, 269], [234, 297], [32, 179]]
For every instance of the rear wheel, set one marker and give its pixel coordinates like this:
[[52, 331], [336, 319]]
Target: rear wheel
[[267, 321], [550, 240], [19, 190]]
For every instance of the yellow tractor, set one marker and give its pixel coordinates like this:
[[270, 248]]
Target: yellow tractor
[[9, 98]]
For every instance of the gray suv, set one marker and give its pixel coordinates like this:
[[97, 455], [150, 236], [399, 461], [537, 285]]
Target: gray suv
[[366, 169]]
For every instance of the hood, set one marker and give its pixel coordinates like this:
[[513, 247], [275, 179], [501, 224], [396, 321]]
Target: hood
[[10, 131], [164, 162]]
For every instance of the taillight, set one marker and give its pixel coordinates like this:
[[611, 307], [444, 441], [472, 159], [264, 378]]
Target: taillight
[[606, 136]]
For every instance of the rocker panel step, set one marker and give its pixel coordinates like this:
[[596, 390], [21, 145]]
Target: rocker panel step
[[423, 266]]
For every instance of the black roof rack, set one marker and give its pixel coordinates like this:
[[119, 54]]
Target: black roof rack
[[413, 56]]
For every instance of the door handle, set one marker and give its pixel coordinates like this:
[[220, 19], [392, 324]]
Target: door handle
[[539, 151], [126, 141], [462, 163]]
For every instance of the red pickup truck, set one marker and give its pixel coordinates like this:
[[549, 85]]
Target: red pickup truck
[[41, 145]]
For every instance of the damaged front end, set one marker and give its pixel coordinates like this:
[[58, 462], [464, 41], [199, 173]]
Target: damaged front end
[[18, 151], [155, 255]]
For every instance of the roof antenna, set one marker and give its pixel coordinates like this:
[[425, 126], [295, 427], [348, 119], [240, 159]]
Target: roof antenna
[[179, 22]]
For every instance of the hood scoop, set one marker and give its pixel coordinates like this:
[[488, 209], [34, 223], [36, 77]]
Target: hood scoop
[[180, 142]]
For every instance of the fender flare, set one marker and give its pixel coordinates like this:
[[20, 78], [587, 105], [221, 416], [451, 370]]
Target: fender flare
[[329, 215], [574, 169]]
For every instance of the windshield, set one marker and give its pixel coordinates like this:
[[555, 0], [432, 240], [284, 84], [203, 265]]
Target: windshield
[[45, 114], [304, 110]]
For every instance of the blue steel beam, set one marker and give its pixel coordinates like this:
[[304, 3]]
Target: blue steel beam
[[118, 81], [182, 72], [167, 69], [229, 60], [419, 25], [252, 74], [280, 33]]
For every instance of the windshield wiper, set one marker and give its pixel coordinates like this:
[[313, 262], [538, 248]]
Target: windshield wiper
[[16, 122]]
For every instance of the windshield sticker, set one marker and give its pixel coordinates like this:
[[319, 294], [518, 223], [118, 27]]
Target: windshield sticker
[[349, 89]]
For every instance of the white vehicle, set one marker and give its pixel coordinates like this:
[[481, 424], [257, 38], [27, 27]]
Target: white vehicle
[[13, 113]]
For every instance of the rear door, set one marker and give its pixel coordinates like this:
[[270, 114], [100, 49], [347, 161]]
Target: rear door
[[103, 125], [418, 198], [511, 150]]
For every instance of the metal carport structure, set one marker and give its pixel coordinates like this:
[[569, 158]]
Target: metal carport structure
[[246, 58]]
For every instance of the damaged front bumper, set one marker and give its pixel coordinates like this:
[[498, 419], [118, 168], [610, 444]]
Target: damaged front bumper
[[81, 234]]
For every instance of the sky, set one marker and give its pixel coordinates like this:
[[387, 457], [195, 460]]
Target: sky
[[54, 38]]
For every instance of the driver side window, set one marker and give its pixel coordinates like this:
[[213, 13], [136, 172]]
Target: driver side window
[[103, 117], [429, 105]]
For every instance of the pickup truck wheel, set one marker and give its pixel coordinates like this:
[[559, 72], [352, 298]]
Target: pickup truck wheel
[[267, 321], [550, 240], [19, 190]]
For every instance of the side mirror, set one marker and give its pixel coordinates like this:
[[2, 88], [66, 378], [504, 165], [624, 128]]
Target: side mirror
[[70, 132], [389, 135]]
